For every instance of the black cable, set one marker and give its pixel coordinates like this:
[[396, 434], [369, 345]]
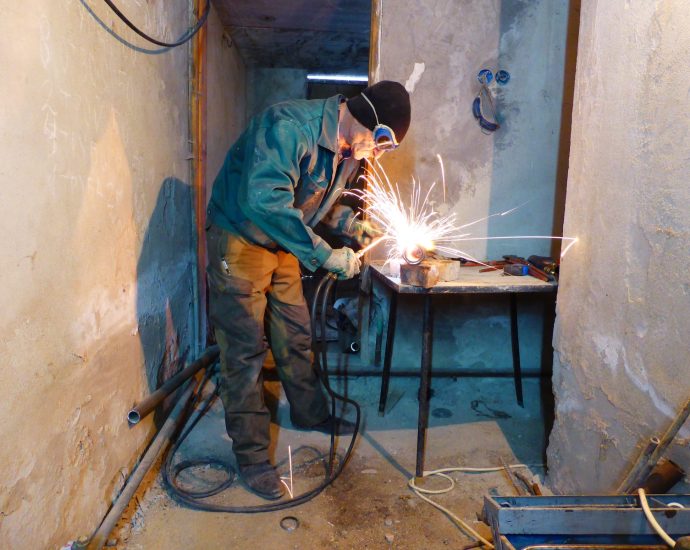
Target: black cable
[[193, 498], [324, 367], [188, 36]]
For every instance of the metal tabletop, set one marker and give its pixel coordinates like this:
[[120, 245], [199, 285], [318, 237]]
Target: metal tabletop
[[470, 281]]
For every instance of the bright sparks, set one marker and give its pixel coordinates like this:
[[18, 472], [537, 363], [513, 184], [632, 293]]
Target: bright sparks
[[408, 227], [413, 226]]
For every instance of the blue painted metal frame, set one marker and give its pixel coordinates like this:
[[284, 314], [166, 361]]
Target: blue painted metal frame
[[520, 522]]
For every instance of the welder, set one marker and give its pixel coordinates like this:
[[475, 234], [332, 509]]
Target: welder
[[282, 176]]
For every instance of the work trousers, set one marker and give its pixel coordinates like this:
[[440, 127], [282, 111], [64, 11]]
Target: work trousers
[[255, 299]]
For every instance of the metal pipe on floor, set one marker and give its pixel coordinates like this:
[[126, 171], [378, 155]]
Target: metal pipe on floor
[[663, 477], [634, 474], [158, 444], [148, 404], [646, 462]]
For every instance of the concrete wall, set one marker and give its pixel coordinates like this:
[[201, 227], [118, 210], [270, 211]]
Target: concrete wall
[[97, 254], [436, 49], [226, 99], [267, 86], [622, 348]]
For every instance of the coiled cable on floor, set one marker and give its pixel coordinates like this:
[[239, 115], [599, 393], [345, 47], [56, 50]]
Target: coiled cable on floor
[[193, 499]]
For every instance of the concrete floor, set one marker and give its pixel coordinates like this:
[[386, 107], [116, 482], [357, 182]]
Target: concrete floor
[[475, 422]]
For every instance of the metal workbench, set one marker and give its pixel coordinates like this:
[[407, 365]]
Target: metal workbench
[[470, 281]]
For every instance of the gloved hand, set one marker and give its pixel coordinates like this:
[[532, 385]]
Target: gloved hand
[[363, 232], [341, 220], [343, 262]]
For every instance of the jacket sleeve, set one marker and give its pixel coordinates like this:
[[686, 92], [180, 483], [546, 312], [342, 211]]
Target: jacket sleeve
[[267, 191], [340, 220]]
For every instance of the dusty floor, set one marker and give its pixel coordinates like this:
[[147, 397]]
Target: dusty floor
[[475, 422]]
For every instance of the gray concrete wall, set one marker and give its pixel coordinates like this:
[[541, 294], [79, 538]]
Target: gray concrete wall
[[436, 49], [267, 86], [97, 254], [226, 98], [622, 347]]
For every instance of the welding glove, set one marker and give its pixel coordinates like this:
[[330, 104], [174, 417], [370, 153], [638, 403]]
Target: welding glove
[[363, 232], [341, 220], [343, 262]]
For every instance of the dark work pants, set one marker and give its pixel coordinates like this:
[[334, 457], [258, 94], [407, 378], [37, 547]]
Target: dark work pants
[[253, 289]]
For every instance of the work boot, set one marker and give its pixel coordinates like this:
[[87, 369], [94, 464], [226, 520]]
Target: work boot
[[342, 426], [262, 479]]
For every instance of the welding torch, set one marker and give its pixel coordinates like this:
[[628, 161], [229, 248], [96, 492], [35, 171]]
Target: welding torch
[[368, 247]]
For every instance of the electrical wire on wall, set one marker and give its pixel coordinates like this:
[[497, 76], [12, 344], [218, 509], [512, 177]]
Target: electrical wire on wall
[[185, 38]]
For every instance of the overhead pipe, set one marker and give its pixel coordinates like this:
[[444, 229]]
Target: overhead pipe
[[148, 404]]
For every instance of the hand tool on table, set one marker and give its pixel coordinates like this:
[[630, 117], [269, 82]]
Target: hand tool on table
[[545, 263], [533, 270], [515, 269], [510, 260]]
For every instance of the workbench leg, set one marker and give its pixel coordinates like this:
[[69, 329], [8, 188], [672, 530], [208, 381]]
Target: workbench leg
[[424, 383], [364, 314], [390, 335], [515, 341]]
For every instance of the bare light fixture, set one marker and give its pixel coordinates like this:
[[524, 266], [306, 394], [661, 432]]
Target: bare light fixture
[[337, 77]]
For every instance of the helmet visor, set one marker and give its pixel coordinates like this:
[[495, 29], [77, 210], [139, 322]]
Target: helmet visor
[[384, 138]]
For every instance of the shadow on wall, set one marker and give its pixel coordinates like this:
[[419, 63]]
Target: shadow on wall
[[165, 283]]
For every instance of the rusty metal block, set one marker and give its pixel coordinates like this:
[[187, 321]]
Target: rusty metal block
[[425, 274], [448, 270]]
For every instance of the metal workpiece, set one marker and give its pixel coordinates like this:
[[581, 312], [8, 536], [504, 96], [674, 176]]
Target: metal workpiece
[[414, 255]]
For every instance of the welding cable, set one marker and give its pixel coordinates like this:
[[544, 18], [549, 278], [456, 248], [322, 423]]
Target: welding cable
[[185, 38], [652, 520], [322, 366], [193, 498], [443, 472], [322, 369]]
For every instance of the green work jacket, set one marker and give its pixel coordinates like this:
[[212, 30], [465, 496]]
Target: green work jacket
[[281, 177]]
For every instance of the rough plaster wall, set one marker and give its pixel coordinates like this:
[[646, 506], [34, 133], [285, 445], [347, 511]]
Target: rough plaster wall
[[226, 99], [266, 87], [97, 252], [622, 348], [438, 55], [446, 43]]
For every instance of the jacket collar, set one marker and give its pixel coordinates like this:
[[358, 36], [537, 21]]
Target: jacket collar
[[329, 126]]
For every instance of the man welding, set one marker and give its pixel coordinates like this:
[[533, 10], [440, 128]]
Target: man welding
[[280, 178]]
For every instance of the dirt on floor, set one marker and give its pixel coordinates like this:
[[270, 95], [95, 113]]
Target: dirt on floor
[[473, 423]]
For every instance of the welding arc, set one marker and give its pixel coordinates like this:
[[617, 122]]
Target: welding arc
[[185, 38], [192, 499]]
